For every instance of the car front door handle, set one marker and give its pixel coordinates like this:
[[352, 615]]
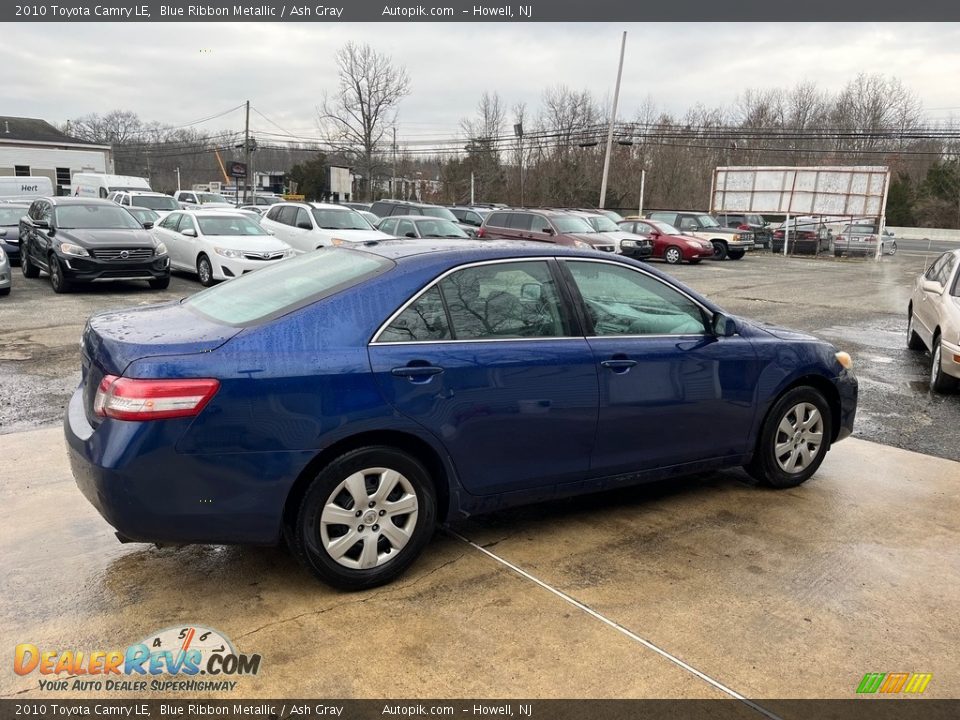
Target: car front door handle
[[619, 365], [417, 373]]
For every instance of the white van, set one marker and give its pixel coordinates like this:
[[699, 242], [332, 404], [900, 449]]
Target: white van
[[100, 185], [26, 189]]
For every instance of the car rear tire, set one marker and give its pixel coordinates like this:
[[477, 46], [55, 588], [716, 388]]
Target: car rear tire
[[365, 518], [27, 267], [205, 271], [893, 248], [719, 250], [736, 254], [4, 291], [913, 340], [160, 283], [58, 282], [673, 255], [940, 382], [794, 439]]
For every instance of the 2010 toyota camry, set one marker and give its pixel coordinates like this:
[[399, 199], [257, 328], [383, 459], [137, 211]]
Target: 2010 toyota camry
[[349, 399]]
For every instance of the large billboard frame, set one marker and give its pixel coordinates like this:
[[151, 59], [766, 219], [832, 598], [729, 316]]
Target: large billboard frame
[[854, 191]]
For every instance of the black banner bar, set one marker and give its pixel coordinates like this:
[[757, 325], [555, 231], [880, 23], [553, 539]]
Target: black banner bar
[[483, 11], [863, 708]]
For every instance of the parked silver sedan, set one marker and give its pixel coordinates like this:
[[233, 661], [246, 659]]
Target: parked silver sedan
[[5, 280], [933, 320]]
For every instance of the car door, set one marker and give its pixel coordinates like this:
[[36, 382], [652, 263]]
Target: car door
[[188, 245], [39, 244], [166, 232], [489, 360], [671, 392]]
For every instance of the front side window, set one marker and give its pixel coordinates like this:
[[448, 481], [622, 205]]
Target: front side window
[[186, 223], [622, 301], [170, 221], [388, 226], [934, 269], [274, 212], [503, 300], [405, 228], [572, 224]]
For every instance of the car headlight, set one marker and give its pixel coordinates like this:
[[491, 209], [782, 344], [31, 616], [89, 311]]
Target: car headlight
[[160, 249], [844, 359], [628, 243], [289, 252], [582, 244], [338, 242], [75, 250], [736, 237], [227, 252]]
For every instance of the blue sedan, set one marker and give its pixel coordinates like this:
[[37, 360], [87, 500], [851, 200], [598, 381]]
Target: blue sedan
[[348, 400]]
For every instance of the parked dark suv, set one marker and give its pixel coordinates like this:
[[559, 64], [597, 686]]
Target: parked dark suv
[[553, 226], [762, 234], [386, 208], [85, 240]]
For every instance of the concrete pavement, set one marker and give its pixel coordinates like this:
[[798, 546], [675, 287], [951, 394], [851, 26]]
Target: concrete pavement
[[769, 594]]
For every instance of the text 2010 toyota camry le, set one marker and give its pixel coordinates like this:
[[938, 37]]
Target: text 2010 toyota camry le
[[349, 399]]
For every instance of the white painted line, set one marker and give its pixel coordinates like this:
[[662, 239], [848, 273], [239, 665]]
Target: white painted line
[[619, 628]]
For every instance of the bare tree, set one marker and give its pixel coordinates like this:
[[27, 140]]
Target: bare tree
[[360, 113]]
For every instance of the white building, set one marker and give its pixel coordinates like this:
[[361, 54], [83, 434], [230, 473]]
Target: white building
[[32, 147]]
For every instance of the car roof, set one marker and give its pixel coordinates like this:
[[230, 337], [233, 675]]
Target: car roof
[[470, 250], [75, 200], [416, 218]]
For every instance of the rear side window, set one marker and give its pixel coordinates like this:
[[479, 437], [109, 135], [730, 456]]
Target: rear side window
[[424, 320], [523, 221], [666, 217], [286, 286], [288, 215], [274, 213], [497, 220]]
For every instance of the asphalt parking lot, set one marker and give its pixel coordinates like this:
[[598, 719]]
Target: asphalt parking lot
[[701, 588]]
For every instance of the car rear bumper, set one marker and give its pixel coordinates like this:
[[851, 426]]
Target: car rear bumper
[[131, 473], [81, 269]]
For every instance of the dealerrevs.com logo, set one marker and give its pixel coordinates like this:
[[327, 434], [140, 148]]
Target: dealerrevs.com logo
[[184, 652]]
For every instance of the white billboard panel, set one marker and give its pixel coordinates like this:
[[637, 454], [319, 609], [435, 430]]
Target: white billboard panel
[[834, 190]]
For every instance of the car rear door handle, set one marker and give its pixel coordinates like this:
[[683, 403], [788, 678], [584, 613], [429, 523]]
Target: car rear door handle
[[417, 373], [619, 365]]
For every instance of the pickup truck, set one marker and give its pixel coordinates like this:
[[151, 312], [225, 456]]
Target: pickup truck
[[727, 242]]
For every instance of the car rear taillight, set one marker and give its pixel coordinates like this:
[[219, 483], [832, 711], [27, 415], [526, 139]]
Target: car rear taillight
[[134, 399]]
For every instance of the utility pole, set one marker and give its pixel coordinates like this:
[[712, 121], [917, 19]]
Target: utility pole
[[393, 181], [472, 200], [246, 148], [613, 119], [518, 131]]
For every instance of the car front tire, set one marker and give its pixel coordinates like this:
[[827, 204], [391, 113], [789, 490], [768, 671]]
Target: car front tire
[[365, 518], [794, 439], [940, 382], [58, 282], [205, 271]]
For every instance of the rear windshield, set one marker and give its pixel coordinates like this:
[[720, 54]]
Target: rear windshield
[[94, 217], [439, 212], [11, 216], [287, 286], [154, 202]]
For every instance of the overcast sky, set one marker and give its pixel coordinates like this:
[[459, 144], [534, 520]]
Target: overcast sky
[[177, 73]]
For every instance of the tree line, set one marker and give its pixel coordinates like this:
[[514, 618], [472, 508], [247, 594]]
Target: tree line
[[552, 154]]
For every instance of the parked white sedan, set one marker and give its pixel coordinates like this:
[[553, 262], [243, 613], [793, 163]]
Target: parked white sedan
[[933, 320], [307, 226], [217, 244]]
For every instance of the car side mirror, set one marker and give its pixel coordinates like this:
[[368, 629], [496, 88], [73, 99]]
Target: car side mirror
[[547, 230], [305, 225], [410, 234], [189, 232], [931, 286], [148, 225], [724, 326]]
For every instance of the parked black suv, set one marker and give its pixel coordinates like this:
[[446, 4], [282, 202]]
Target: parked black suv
[[85, 240], [553, 226]]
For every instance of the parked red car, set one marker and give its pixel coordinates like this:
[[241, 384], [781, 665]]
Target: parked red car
[[669, 244]]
